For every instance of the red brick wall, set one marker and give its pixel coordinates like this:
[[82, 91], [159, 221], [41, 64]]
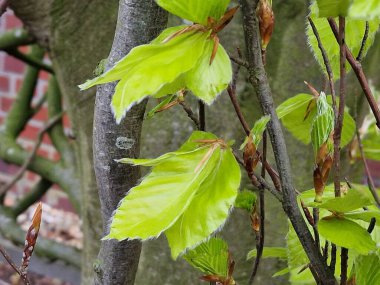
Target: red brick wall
[[11, 77]]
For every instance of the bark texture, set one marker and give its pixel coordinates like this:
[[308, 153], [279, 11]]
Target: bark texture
[[139, 22]]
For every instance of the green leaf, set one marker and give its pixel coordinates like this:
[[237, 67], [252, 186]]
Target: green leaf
[[353, 200], [245, 200], [162, 63], [208, 81], [292, 113], [257, 131], [354, 33], [174, 196], [281, 272], [367, 269], [346, 233], [365, 9], [333, 8], [210, 257], [364, 216], [196, 11], [217, 194], [323, 123], [270, 252], [296, 254], [163, 103]]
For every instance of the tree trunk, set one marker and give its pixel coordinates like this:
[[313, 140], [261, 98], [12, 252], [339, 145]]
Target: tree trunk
[[139, 22]]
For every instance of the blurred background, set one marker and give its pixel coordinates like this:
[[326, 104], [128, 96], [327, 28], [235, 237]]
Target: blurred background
[[49, 172]]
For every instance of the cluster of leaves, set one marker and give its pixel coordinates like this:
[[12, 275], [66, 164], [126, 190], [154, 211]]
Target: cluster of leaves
[[182, 57], [343, 222]]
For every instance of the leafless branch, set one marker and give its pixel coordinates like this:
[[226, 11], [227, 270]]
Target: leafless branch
[[13, 265]]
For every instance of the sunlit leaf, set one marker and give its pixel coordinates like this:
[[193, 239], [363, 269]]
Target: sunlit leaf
[[196, 11], [257, 131], [217, 194], [270, 252], [174, 196], [333, 8], [354, 33], [365, 9], [210, 257], [281, 272], [346, 233], [208, 81], [353, 200]]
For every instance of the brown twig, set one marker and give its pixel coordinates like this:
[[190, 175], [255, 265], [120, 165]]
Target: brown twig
[[333, 258], [13, 265], [190, 114], [260, 236], [342, 93], [202, 115], [364, 41], [344, 266], [358, 69], [326, 61], [371, 184], [239, 61], [52, 122]]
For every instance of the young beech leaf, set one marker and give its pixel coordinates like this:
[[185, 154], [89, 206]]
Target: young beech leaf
[[257, 131], [367, 269], [196, 11], [210, 257], [187, 195], [365, 216], [270, 252], [353, 200], [346, 233], [354, 33], [298, 114], [365, 9], [208, 81], [333, 8], [245, 200], [323, 123]]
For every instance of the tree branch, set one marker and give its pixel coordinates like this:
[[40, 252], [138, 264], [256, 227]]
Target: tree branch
[[139, 21], [30, 60], [14, 266], [358, 69], [190, 114], [364, 41], [258, 79]]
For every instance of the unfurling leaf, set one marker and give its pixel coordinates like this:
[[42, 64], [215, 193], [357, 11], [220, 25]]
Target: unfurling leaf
[[266, 22], [31, 239], [346, 233], [270, 252], [183, 57], [245, 200], [173, 198]]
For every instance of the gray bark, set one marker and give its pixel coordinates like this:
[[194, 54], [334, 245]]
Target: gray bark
[[139, 22]]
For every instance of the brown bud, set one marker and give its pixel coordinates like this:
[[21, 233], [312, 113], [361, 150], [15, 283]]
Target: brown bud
[[326, 167], [250, 157], [31, 239], [255, 222], [318, 184], [266, 22]]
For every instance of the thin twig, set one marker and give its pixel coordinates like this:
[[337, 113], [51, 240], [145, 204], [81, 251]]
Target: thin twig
[[342, 92], [372, 225], [260, 237], [239, 61], [13, 265], [315, 227], [364, 41], [326, 61], [358, 69], [344, 265], [202, 115], [333, 258], [371, 184], [32, 155], [190, 114]]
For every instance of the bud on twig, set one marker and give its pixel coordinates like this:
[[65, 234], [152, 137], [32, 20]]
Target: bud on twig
[[266, 22], [31, 239]]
